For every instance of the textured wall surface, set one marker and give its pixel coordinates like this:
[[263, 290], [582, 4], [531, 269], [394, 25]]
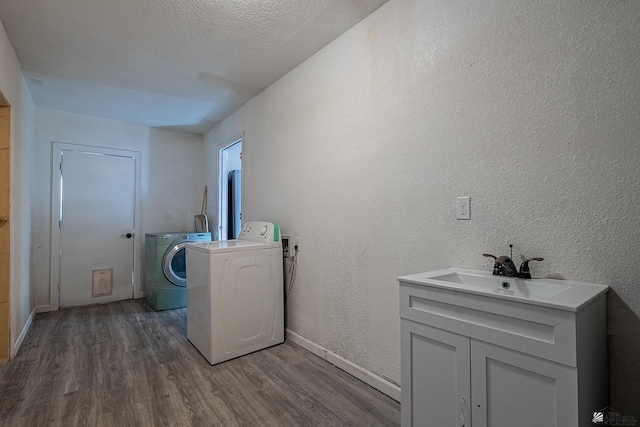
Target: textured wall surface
[[529, 107], [172, 176], [14, 90]]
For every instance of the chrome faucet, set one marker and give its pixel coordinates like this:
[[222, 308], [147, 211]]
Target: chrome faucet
[[504, 266]]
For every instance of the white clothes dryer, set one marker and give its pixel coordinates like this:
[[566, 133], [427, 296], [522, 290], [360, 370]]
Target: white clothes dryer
[[235, 293]]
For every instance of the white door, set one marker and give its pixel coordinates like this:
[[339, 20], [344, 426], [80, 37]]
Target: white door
[[514, 389], [97, 207]]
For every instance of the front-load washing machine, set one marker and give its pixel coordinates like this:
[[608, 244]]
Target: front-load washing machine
[[165, 268], [235, 293]]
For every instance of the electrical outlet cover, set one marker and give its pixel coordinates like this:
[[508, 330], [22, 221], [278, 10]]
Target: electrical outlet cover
[[463, 207]]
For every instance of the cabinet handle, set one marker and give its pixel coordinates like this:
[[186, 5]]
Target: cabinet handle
[[462, 400]]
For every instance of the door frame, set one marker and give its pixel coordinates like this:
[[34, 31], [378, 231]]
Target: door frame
[[58, 148], [222, 181], [6, 340]]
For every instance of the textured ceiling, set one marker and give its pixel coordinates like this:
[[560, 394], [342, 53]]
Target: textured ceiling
[[177, 64]]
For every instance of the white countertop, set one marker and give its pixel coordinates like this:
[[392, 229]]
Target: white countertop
[[567, 295]]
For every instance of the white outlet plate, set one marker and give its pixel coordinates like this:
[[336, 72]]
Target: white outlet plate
[[463, 207]]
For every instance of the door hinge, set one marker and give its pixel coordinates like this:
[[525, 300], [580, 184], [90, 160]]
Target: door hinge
[[60, 224]]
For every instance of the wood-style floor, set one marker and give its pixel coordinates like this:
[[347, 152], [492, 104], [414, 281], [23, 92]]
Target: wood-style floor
[[123, 364]]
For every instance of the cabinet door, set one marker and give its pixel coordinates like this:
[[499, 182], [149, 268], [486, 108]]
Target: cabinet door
[[514, 389], [435, 377]]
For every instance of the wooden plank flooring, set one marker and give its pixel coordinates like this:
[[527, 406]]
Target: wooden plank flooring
[[123, 364]]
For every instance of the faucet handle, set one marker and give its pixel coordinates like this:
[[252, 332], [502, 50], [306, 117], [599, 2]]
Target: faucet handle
[[497, 267], [525, 273]]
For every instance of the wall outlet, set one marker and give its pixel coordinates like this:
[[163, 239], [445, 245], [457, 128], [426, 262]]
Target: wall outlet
[[463, 207], [287, 245]]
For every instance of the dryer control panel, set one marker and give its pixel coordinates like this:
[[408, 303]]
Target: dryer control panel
[[259, 231]]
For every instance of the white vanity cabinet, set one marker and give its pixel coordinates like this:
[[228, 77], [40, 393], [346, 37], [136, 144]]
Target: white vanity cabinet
[[472, 358]]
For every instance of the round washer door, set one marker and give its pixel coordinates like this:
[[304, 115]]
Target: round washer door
[[174, 264]]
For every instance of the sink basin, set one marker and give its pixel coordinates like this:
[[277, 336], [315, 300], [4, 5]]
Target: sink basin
[[564, 294], [504, 285]]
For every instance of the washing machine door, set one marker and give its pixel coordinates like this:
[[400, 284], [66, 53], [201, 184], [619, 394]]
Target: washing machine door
[[174, 264]]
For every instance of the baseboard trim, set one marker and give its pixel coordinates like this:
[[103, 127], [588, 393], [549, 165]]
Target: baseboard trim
[[42, 308], [23, 333], [374, 380]]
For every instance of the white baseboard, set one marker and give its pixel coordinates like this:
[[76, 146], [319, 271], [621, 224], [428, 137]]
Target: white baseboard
[[23, 333], [42, 308], [374, 380]]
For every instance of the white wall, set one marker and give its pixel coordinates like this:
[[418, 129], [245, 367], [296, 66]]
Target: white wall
[[530, 108], [172, 177], [14, 89]]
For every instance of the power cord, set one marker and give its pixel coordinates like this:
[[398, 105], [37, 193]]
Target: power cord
[[293, 262]]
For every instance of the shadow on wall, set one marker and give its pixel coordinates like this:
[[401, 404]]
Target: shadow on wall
[[624, 356]]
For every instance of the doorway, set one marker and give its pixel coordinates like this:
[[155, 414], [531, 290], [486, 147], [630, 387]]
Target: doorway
[[93, 225], [230, 190], [5, 234]]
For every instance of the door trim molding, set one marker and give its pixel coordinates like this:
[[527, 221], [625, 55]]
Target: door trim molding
[[239, 138], [7, 210], [57, 148]]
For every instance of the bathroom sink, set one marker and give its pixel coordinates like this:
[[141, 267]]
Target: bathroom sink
[[504, 285], [565, 294]]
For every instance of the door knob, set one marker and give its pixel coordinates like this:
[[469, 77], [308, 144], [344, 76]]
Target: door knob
[[4, 219], [128, 235]]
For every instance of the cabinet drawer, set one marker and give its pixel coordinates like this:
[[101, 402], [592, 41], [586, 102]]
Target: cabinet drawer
[[540, 331]]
